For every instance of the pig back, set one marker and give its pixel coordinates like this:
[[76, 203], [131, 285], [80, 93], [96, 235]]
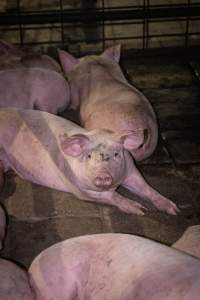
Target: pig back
[[30, 143], [34, 88], [115, 267]]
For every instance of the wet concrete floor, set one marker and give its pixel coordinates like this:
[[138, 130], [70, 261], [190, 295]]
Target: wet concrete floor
[[39, 217]]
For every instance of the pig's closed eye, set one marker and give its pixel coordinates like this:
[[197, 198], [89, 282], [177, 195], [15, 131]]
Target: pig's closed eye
[[116, 154]]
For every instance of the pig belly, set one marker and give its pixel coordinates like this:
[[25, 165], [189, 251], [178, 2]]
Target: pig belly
[[114, 267]]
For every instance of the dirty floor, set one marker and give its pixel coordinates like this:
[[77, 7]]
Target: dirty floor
[[39, 217]]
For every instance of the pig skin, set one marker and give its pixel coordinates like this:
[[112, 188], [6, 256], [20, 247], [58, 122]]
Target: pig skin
[[2, 225], [14, 283], [114, 267], [34, 88], [107, 100], [13, 57], [189, 242], [54, 152]]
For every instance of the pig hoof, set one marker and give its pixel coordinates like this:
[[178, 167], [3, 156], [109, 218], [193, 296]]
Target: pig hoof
[[132, 207], [168, 206]]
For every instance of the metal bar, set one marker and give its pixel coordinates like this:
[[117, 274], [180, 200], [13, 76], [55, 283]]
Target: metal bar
[[70, 16]]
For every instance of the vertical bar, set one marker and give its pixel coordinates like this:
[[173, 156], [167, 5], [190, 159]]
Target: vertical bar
[[144, 25], [20, 25], [62, 23], [103, 25], [187, 24], [147, 24]]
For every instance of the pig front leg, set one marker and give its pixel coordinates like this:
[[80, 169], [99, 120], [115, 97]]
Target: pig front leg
[[136, 184], [114, 198]]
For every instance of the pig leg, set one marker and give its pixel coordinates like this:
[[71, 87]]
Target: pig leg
[[136, 184], [114, 198]]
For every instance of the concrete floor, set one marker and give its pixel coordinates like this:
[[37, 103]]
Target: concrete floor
[[39, 217]]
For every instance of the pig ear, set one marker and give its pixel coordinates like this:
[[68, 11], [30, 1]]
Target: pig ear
[[74, 145], [132, 139], [113, 53], [67, 61]]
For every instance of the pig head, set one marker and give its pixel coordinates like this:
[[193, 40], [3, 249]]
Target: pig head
[[107, 100], [114, 267]]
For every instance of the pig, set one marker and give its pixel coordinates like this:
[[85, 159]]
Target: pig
[[114, 266], [189, 242], [34, 88], [14, 283], [54, 152], [107, 100], [2, 225], [12, 57]]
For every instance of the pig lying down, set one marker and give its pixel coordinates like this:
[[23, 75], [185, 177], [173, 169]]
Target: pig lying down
[[54, 152], [114, 267], [107, 100], [34, 88]]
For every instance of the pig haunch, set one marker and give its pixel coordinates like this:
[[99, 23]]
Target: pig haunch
[[54, 152], [34, 88], [114, 267], [16, 57]]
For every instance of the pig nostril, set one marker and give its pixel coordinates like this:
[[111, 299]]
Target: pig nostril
[[103, 180]]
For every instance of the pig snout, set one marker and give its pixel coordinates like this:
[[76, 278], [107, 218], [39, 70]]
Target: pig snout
[[103, 179]]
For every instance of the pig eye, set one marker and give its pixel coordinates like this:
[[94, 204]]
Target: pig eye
[[116, 154], [89, 155]]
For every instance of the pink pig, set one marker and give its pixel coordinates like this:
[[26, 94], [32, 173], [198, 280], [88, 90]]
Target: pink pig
[[114, 267], [107, 100], [54, 152]]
